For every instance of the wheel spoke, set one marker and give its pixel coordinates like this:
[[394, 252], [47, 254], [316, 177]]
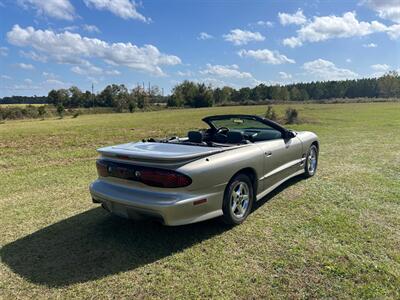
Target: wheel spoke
[[245, 205], [234, 206], [240, 209], [240, 189]]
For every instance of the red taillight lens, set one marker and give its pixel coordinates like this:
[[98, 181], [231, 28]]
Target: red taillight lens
[[101, 168], [164, 178]]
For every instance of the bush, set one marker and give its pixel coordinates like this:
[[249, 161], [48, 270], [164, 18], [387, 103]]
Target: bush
[[30, 112], [291, 115], [13, 113], [270, 113], [131, 106], [41, 111], [60, 110], [172, 101], [76, 114]]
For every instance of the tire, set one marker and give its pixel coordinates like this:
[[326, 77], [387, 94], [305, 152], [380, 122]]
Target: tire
[[310, 167], [238, 200]]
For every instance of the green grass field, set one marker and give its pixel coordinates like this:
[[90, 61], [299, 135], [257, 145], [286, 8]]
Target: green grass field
[[336, 235], [18, 105]]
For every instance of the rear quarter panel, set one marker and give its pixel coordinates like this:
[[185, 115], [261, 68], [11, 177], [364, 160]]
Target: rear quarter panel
[[217, 170]]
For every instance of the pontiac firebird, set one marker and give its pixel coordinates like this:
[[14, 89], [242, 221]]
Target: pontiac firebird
[[216, 172]]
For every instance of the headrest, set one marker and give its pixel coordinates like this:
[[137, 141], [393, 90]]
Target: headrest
[[195, 136], [234, 137]]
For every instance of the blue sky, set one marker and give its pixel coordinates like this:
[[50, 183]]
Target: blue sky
[[59, 43]]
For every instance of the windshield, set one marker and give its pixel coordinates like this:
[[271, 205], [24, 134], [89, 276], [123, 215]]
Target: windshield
[[238, 123]]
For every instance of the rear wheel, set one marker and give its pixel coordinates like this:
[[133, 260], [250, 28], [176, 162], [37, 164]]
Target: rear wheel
[[311, 164], [238, 200]]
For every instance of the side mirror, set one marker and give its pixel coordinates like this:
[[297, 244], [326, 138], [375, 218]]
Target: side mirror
[[290, 134]]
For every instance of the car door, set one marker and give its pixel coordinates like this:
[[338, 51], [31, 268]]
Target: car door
[[282, 158]]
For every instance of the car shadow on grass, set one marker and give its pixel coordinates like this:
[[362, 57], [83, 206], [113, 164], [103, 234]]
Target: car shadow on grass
[[278, 190], [93, 244]]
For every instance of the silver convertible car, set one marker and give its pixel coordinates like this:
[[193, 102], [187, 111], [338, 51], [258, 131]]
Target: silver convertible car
[[219, 171]]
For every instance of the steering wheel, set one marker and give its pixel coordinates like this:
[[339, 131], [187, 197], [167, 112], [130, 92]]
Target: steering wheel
[[222, 128]]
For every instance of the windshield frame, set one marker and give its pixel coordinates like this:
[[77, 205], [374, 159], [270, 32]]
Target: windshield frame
[[209, 120]]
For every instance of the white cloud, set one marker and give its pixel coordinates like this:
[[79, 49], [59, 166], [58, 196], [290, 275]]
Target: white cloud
[[386, 9], [380, 67], [370, 45], [215, 82], [285, 76], [229, 71], [59, 9], [185, 74], [22, 87], [28, 81], [72, 48], [263, 23], [70, 28], [49, 75], [326, 70], [380, 70], [266, 56], [348, 60], [33, 55], [6, 77], [204, 36], [125, 9], [112, 72], [94, 80], [292, 42], [56, 82], [242, 37], [393, 31], [328, 27], [84, 27], [87, 69], [25, 66], [91, 28], [3, 51], [297, 18]]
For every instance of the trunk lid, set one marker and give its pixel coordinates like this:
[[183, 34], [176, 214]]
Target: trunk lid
[[158, 152]]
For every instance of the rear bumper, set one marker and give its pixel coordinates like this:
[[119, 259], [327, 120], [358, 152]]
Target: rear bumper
[[173, 208]]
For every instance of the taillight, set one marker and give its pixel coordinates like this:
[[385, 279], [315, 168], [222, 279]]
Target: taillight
[[164, 178], [101, 168], [150, 176]]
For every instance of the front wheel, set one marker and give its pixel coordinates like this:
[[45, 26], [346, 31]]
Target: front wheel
[[238, 200], [311, 164]]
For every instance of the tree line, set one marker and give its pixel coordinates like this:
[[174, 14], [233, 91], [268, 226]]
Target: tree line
[[194, 94], [117, 96], [24, 100], [199, 95]]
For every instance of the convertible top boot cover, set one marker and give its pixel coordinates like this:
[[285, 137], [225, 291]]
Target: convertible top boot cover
[[158, 152]]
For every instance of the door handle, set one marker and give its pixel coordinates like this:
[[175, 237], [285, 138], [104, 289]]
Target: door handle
[[268, 154]]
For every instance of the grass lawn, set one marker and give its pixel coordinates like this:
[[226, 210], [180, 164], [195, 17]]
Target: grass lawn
[[336, 235]]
